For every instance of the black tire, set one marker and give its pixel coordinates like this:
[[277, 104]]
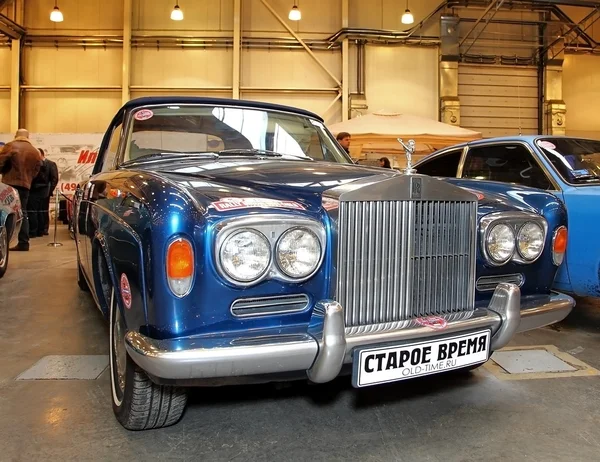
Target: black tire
[[140, 404], [81, 282], [4, 252]]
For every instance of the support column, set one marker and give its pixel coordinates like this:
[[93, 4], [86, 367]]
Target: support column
[[345, 66], [126, 79], [237, 42], [449, 101], [555, 109], [15, 85]]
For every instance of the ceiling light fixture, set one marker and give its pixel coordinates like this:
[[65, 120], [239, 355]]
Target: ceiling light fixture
[[407, 17], [56, 15], [177, 14], [295, 14]]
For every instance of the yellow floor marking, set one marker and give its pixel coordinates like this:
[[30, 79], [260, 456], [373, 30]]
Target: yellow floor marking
[[583, 369]]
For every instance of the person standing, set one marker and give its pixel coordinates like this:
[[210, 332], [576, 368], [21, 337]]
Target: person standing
[[53, 170], [20, 162], [344, 139], [38, 196], [384, 162]]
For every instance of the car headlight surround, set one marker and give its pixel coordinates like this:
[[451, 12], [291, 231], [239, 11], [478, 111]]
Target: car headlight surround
[[245, 255], [495, 243], [298, 252], [273, 227], [530, 241], [500, 243]]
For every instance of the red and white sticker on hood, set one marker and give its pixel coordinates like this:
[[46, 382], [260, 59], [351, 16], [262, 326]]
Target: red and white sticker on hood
[[237, 203], [477, 193]]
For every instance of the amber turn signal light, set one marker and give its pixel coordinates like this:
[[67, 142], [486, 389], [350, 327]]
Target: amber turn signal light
[[559, 245], [180, 259]]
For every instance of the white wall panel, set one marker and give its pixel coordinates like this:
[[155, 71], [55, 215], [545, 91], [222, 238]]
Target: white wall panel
[[402, 79], [5, 56], [315, 103], [71, 112], [190, 67], [576, 14], [4, 110], [72, 66], [289, 68], [80, 15], [581, 93], [318, 16], [199, 16], [386, 14]]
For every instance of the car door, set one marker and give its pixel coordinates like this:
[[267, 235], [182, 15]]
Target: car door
[[92, 190], [442, 165], [507, 163]]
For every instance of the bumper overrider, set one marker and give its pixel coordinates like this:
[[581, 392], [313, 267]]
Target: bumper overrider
[[324, 349]]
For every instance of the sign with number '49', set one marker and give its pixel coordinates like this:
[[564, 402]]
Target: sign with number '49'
[[73, 153]]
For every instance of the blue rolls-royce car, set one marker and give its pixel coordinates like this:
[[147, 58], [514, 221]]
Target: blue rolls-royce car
[[232, 241], [567, 167]]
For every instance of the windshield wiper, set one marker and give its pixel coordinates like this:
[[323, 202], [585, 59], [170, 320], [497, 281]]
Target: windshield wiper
[[256, 152], [170, 155], [260, 153]]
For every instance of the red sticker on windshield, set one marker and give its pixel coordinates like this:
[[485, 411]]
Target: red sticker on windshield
[[546, 144], [434, 322], [144, 114]]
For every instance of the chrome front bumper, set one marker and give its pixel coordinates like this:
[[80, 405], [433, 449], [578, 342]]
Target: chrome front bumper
[[323, 350]]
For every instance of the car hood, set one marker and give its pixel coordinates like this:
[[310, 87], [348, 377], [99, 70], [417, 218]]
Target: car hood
[[304, 182]]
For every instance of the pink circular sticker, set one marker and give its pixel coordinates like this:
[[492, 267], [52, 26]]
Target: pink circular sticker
[[434, 322], [125, 291], [144, 114], [546, 144]]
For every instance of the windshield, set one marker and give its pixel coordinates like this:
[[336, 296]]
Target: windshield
[[179, 132], [576, 160]]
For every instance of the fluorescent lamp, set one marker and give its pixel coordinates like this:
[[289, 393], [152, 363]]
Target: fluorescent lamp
[[295, 14], [177, 14], [56, 15]]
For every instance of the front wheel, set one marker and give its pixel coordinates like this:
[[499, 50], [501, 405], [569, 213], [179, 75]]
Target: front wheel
[[3, 250], [138, 403]]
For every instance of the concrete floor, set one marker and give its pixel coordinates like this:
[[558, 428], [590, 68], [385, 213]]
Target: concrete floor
[[440, 418]]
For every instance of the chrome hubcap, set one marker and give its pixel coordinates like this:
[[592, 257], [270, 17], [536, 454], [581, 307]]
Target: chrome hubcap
[[3, 246], [119, 348]]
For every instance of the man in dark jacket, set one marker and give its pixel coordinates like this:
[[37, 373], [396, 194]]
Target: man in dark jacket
[[38, 197], [20, 162], [53, 171]]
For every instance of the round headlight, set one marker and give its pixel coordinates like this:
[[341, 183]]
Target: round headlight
[[530, 241], [298, 252], [245, 255], [500, 243]]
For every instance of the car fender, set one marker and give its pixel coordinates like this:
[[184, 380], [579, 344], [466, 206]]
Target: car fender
[[119, 245]]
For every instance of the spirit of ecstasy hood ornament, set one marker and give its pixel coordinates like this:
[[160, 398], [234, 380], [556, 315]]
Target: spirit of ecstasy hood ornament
[[409, 150]]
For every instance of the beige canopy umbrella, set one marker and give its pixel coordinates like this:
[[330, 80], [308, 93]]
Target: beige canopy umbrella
[[376, 135]]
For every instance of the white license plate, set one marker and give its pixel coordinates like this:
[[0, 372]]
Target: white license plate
[[391, 363]]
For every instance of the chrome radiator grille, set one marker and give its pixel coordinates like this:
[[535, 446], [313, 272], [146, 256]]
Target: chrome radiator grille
[[399, 260]]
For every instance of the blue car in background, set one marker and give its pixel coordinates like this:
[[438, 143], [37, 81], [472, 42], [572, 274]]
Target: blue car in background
[[567, 167], [234, 242]]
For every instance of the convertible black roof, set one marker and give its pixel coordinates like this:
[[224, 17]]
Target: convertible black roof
[[146, 101]]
